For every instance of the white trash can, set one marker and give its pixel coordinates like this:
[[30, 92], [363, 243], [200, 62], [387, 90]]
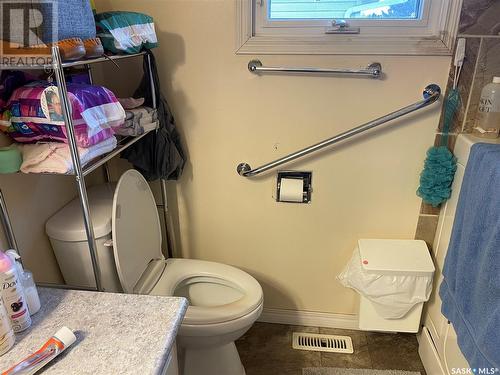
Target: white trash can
[[394, 279]]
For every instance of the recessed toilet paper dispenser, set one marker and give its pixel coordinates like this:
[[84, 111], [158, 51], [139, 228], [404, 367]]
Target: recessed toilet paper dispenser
[[294, 187]]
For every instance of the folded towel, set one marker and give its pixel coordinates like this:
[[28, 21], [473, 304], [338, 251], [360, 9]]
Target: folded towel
[[138, 121], [471, 288], [152, 125], [130, 103], [53, 157]]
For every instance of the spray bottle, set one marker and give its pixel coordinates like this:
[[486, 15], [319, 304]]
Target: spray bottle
[[7, 338], [11, 293], [27, 282]]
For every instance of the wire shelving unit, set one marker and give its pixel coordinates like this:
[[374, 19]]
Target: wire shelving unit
[[57, 66]]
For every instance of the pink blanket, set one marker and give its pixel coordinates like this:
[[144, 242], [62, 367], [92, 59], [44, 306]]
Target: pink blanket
[[54, 157]]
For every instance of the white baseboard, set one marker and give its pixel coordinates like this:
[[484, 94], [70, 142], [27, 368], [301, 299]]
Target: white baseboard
[[309, 318]]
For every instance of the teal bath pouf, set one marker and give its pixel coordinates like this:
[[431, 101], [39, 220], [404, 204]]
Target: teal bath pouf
[[437, 176]]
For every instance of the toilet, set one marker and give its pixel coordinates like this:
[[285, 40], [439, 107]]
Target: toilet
[[224, 301]]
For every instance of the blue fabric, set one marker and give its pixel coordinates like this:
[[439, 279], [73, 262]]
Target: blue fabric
[[471, 288], [75, 19]]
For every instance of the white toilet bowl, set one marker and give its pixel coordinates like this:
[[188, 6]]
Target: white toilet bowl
[[224, 301]]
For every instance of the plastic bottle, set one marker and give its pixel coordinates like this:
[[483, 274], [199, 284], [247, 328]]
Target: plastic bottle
[[30, 292], [488, 116], [28, 283], [7, 337], [11, 292]]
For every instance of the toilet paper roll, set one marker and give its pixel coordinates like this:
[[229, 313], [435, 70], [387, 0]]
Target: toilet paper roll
[[292, 190]]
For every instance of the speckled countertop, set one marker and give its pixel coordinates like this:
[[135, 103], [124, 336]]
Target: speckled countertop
[[116, 333]]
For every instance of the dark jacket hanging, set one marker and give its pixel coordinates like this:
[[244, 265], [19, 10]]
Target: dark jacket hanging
[[158, 154]]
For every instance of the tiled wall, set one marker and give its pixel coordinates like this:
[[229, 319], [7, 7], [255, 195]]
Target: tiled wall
[[480, 25]]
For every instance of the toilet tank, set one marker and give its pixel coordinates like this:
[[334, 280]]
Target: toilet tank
[[68, 238]]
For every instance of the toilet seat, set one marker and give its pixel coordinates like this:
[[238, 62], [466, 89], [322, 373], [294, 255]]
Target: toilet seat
[[135, 248], [179, 270]]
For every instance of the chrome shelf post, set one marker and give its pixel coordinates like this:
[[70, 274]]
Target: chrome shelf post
[[77, 166]]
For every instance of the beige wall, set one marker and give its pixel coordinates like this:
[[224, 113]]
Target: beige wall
[[364, 188]]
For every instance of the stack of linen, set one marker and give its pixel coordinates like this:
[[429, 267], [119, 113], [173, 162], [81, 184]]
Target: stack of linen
[[33, 116], [139, 118]]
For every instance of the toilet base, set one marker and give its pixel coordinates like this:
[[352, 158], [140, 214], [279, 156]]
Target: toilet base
[[219, 360]]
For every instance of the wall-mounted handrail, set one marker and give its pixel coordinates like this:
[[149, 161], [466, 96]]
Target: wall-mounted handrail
[[431, 94], [374, 70]]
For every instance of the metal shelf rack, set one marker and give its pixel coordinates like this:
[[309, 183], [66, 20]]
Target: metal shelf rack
[[80, 172]]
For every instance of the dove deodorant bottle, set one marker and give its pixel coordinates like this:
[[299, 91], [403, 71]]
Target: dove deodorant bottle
[[11, 293]]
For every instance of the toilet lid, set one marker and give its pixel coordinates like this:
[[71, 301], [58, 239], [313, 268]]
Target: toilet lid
[[136, 228]]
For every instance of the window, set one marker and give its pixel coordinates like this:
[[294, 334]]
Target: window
[[331, 9], [347, 26]]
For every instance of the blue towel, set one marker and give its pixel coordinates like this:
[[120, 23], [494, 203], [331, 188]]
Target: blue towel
[[471, 288]]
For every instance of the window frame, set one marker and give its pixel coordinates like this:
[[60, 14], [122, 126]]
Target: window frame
[[433, 35]]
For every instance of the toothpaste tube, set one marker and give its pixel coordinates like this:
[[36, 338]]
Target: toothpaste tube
[[51, 349]]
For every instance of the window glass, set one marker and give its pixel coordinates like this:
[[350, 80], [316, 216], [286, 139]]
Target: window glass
[[342, 9]]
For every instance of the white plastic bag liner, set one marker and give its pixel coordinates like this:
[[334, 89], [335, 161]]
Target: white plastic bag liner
[[392, 296]]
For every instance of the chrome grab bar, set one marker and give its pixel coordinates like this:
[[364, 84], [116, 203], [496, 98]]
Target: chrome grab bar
[[374, 70], [431, 94]]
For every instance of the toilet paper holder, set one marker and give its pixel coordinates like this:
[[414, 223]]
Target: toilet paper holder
[[306, 178]]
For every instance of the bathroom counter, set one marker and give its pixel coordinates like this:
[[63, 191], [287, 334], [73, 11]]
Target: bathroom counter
[[116, 333]]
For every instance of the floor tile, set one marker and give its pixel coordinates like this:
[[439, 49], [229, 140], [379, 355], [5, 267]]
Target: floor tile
[[359, 359], [266, 349], [394, 351]]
